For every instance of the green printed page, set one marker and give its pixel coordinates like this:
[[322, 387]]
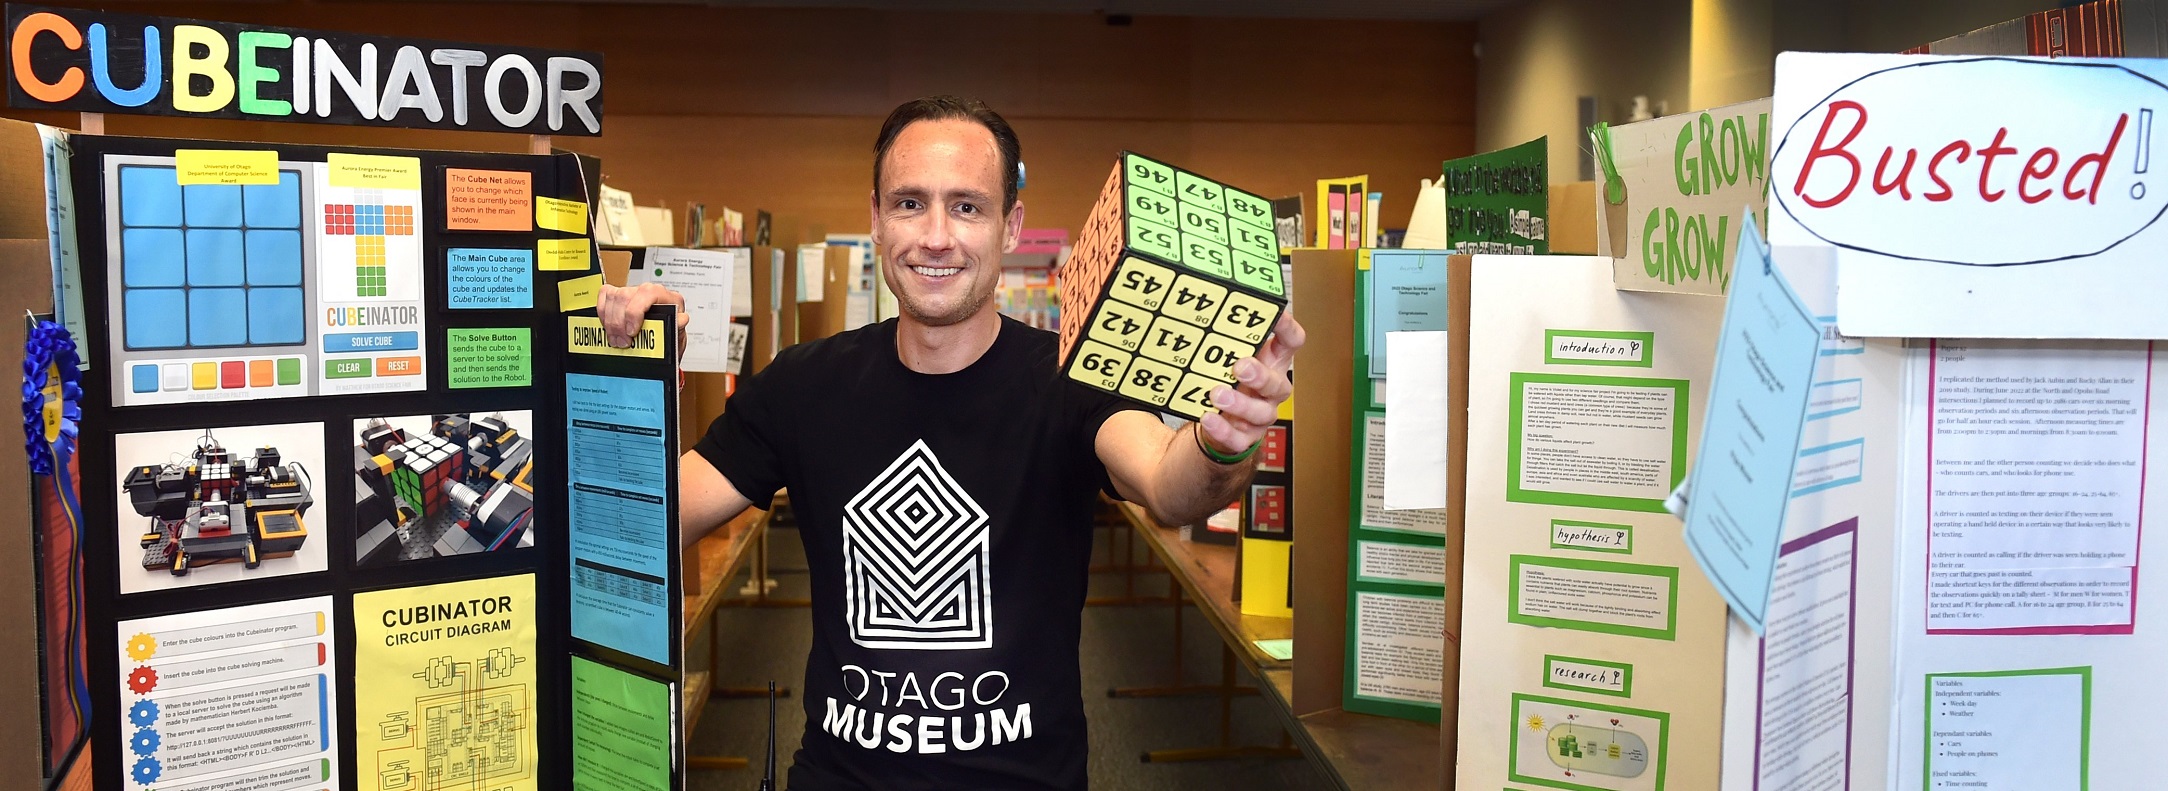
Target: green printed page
[[621, 730], [1500, 202]]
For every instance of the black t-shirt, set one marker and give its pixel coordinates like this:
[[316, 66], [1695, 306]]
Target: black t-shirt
[[947, 524]]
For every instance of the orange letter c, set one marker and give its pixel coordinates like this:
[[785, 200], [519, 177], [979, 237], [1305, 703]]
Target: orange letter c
[[46, 22]]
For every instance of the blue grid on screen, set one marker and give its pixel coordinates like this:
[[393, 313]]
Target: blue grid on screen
[[207, 265]]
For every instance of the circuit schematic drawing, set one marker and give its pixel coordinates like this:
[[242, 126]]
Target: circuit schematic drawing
[[467, 733]]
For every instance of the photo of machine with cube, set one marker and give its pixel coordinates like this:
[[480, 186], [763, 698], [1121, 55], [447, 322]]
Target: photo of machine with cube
[[1174, 278], [460, 487], [217, 507]]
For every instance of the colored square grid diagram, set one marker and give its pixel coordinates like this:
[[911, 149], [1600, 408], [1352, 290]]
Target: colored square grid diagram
[[1174, 278]]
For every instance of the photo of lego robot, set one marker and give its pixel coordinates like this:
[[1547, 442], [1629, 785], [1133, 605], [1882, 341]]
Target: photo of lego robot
[[429, 486], [209, 505]]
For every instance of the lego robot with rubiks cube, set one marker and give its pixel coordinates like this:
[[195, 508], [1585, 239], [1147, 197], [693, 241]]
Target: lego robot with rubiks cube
[[463, 487], [218, 507], [1174, 278]]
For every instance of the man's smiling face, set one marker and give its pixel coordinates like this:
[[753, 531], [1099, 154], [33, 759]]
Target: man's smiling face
[[938, 220]]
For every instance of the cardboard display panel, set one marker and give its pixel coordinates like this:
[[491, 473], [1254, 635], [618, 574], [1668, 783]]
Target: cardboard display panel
[[1174, 279], [363, 469]]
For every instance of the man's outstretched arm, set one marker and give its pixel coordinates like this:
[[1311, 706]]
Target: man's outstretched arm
[[705, 498], [1166, 471]]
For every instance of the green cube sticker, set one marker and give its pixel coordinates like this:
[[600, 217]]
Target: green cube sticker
[[1242, 237], [1151, 237], [1150, 205], [1200, 192], [1204, 255], [1151, 175], [1249, 209], [1205, 223], [289, 370], [1259, 273]]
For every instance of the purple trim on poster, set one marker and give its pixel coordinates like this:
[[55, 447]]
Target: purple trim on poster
[[1849, 528]]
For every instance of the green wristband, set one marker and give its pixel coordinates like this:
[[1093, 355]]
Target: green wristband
[[1197, 431]]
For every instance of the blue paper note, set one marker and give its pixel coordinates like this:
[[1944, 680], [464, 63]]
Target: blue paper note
[[1408, 293], [620, 520], [1742, 476]]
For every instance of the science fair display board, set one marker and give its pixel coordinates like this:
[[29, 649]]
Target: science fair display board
[[371, 501], [1580, 599], [1959, 600]]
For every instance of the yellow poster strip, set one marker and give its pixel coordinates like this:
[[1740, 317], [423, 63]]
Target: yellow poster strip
[[584, 335], [556, 214], [578, 293], [561, 255], [370, 171], [204, 166], [453, 658]]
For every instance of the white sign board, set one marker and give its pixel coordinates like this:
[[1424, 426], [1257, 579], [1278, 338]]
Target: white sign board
[[1980, 197]]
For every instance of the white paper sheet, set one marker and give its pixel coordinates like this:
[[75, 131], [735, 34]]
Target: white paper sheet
[[1416, 450], [704, 277], [812, 271]]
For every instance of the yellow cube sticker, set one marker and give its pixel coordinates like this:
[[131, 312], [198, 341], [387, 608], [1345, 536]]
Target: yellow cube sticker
[[1246, 317], [1172, 341], [1193, 397], [1196, 300], [1099, 365], [1217, 358], [1140, 282], [1120, 325], [1150, 381]]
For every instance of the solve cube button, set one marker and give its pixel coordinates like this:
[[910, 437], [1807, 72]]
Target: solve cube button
[[1193, 397], [1140, 282], [1099, 365], [1219, 355], [1246, 317], [1196, 300], [1172, 341], [1150, 381], [1120, 325]]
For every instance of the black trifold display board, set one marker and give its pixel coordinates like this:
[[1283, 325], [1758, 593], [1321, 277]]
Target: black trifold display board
[[365, 508]]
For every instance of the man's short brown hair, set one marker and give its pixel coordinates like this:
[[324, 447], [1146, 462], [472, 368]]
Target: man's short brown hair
[[944, 108]]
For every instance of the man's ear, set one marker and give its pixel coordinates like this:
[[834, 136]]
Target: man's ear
[[1015, 222], [873, 212]]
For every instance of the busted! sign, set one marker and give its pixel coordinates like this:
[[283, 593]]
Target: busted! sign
[[1977, 196]]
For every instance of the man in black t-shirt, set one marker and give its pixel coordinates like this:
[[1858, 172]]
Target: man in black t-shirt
[[944, 478]]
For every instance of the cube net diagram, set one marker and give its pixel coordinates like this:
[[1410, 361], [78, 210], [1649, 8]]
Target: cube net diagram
[[1174, 278]]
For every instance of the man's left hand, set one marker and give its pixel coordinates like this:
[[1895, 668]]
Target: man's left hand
[[1250, 407]]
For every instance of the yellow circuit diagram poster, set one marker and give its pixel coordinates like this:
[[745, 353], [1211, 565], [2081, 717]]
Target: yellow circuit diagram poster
[[445, 686]]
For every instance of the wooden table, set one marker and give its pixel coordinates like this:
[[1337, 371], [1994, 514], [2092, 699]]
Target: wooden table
[[709, 565], [1358, 751]]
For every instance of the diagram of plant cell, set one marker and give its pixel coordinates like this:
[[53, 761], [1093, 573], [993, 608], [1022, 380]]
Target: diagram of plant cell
[[1587, 746]]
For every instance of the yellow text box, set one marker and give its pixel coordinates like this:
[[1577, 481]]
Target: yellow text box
[[371, 171], [205, 166], [584, 335], [561, 255], [579, 293], [557, 214]]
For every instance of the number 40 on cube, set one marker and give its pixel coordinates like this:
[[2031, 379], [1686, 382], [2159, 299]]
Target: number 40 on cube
[[1174, 278]]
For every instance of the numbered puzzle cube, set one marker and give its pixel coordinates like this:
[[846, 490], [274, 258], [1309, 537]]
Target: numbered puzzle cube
[[1174, 278]]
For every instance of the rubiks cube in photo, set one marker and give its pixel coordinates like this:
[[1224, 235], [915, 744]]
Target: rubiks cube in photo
[[1174, 278]]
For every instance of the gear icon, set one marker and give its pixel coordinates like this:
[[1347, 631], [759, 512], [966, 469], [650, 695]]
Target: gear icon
[[142, 680], [144, 742], [141, 647], [147, 770], [143, 713]]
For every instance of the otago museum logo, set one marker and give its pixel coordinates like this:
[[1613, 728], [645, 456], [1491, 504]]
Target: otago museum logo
[[1987, 162]]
